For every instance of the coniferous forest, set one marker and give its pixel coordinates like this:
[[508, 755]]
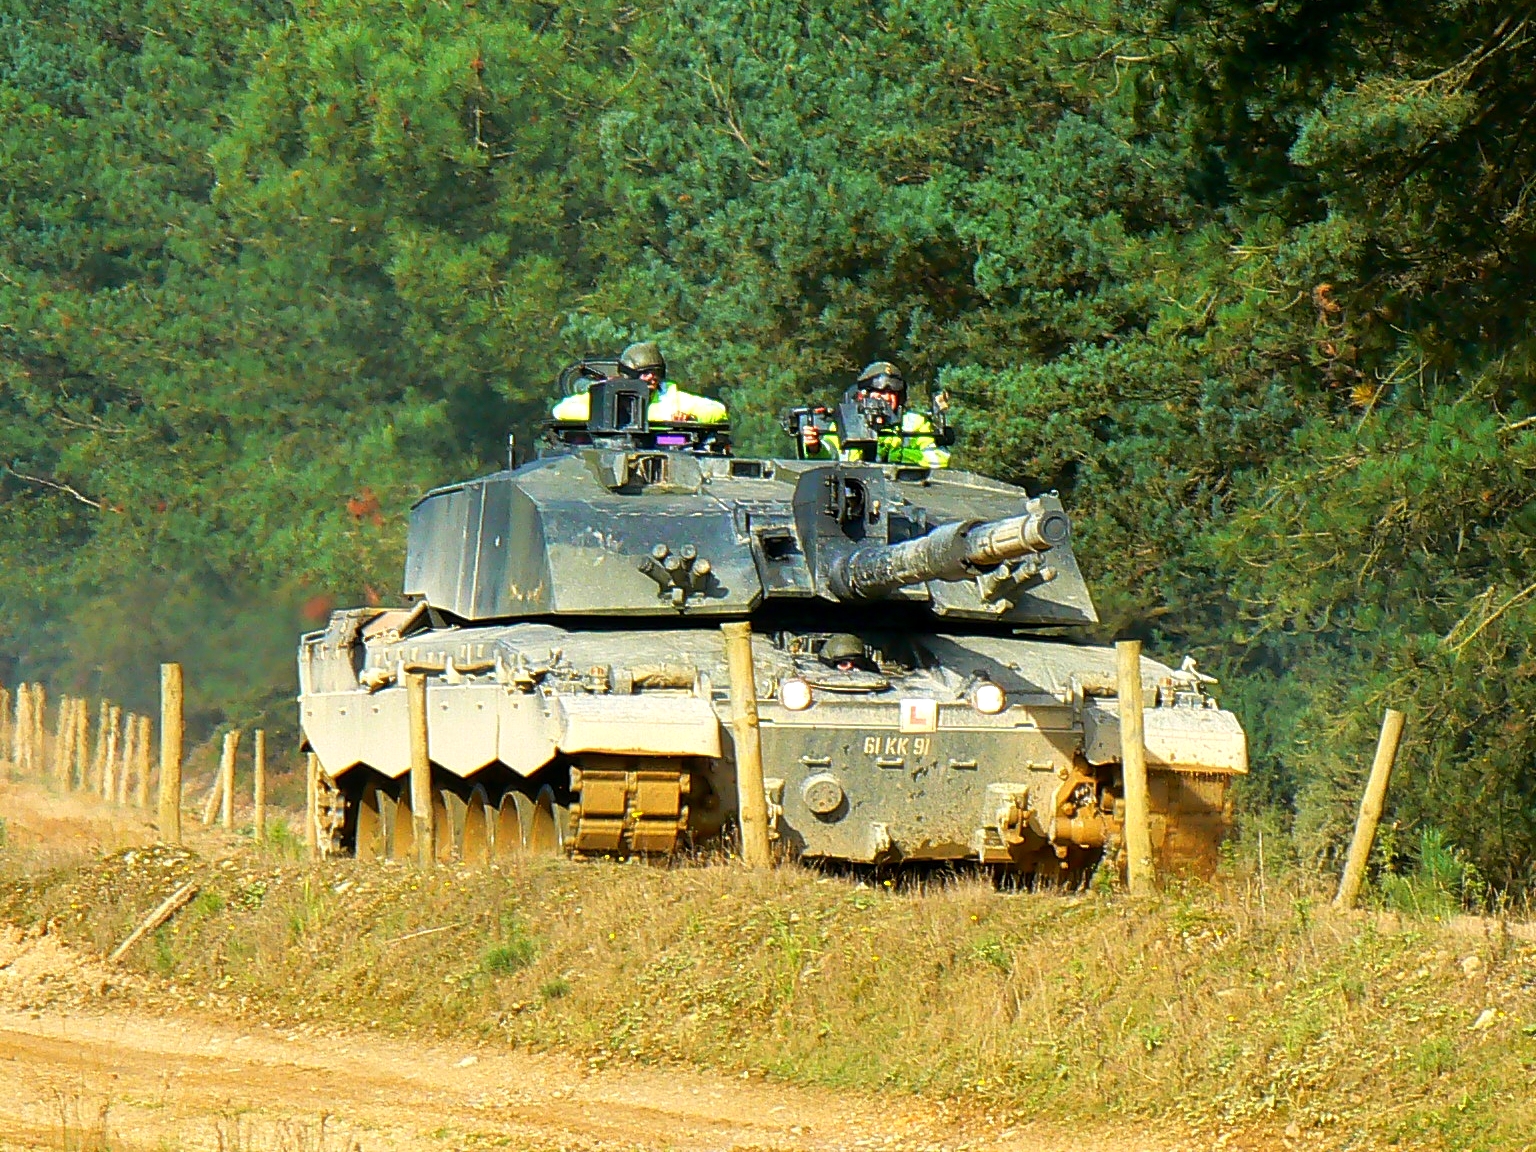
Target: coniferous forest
[[1252, 285]]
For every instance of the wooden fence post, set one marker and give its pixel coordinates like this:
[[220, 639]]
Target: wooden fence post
[[144, 770], [34, 717], [37, 758], [99, 758], [259, 786], [171, 735], [70, 726], [421, 770], [1371, 805], [6, 728], [39, 731], [227, 778], [80, 772], [21, 735], [751, 798], [130, 756], [312, 805], [110, 761], [63, 744], [1133, 767], [211, 801]]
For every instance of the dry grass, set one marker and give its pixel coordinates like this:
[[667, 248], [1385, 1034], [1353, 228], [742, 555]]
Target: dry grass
[[41, 829], [1222, 1006], [82, 1122]]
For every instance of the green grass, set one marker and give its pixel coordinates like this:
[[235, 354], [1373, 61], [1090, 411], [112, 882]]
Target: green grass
[[280, 838], [1439, 882], [1243, 1005], [515, 951]]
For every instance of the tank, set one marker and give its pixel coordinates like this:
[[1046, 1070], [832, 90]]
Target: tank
[[919, 694]]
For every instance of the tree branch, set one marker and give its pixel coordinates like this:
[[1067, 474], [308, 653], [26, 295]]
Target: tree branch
[[726, 108], [44, 482], [1489, 619]]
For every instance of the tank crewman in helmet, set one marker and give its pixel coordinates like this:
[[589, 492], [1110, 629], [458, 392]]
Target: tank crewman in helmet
[[910, 439], [844, 651], [669, 403]]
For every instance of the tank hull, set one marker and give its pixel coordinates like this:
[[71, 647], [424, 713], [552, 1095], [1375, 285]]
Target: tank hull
[[600, 740]]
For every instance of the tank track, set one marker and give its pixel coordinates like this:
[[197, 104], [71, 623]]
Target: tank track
[[618, 806], [610, 808]]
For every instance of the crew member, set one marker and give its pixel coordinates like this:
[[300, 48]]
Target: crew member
[[819, 444], [669, 403], [912, 439], [844, 652]]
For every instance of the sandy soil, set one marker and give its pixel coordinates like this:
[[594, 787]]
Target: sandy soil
[[40, 822], [126, 1080]]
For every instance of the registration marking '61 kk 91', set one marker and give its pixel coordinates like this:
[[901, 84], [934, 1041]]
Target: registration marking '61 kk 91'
[[898, 745]]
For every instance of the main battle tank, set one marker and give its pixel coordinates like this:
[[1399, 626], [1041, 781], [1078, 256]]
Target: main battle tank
[[915, 701]]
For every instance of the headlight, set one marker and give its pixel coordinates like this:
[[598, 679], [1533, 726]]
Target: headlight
[[795, 695], [989, 698]]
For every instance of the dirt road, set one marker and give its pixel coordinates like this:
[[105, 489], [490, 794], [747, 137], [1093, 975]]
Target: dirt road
[[124, 1080], [97, 1071], [145, 1083]]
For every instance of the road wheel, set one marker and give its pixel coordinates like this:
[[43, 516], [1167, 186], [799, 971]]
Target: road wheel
[[513, 819], [375, 811], [447, 824], [545, 834], [475, 843]]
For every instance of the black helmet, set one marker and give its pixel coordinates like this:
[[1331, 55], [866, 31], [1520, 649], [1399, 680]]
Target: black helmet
[[642, 357], [842, 646], [882, 376]]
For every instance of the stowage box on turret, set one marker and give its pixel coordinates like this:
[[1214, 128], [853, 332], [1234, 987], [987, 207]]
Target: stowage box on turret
[[565, 615]]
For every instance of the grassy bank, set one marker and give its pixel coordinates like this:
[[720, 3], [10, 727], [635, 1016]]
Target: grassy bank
[[1237, 1005]]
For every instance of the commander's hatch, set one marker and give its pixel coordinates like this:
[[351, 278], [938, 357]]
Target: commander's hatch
[[393, 624], [630, 473]]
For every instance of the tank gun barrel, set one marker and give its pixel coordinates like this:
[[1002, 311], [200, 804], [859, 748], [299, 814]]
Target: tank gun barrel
[[1004, 540], [953, 551]]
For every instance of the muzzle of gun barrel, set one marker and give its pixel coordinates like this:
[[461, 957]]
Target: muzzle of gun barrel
[[1005, 540]]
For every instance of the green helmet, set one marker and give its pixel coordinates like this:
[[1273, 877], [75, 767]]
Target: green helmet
[[882, 376], [842, 646], [642, 357]]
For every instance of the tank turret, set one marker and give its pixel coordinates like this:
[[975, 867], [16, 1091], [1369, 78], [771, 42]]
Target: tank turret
[[624, 531]]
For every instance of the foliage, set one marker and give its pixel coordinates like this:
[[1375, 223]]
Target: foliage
[[515, 951], [1440, 883], [1246, 283]]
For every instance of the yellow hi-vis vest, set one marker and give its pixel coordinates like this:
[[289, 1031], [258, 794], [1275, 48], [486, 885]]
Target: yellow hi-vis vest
[[915, 444], [668, 404]]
